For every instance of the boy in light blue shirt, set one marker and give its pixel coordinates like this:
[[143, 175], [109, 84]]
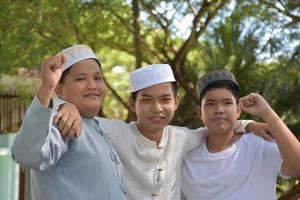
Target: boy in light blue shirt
[[85, 168]]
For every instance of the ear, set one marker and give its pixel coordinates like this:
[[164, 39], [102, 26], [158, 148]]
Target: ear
[[238, 111], [199, 111], [59, 90], [177, 102], [132, 104]]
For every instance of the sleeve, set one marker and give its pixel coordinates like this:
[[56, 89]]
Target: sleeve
[[38, 144], [240, 125], [194, 137], [272, 158], [111, 128], [57, 102]]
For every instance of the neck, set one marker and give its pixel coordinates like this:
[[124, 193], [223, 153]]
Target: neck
[[219, 142], [151, 134]]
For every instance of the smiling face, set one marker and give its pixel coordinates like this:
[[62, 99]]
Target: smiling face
[[219, 110], [84, 87], [154, 107]]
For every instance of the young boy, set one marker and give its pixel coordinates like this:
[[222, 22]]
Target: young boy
[[233, 166], [86, 168], [151, 150]]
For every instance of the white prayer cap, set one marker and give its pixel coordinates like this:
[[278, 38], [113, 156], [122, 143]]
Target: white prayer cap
[[77, 53], [150, 75]]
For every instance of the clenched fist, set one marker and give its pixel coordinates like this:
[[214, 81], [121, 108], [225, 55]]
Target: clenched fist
[[52, 69]]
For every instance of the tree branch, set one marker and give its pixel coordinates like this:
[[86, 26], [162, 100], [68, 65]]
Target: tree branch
[[293, 193], [285, 11], [191, 6], [190, 42], [116, 95], [137, 34], [75, 29]]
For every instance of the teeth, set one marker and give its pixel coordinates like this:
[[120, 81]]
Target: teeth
[[157, 118]]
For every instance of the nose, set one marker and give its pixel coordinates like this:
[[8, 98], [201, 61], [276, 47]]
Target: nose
[[219, 108], [156, 107], [91, 83]]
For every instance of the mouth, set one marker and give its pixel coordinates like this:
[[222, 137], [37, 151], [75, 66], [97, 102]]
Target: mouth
[[157, 119], [91, 95], [219, 119]]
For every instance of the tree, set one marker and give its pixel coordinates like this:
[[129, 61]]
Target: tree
[[258, 40]]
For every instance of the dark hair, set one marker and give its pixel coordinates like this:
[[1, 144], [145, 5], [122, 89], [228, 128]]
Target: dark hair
[[66, 72], [219, 85], [174, 90]]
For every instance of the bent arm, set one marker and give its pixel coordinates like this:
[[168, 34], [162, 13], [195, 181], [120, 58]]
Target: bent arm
[[38, 144], [288, 144]]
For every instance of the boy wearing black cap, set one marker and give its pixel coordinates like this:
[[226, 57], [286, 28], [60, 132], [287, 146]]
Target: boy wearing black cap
[[233, 166]]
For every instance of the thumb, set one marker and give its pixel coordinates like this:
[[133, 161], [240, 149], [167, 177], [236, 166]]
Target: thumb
[[242, 107], [62, 59]]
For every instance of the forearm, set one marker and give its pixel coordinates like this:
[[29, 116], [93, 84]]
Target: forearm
[[44, 94], [240, 125], [31, 146], [288, 144]]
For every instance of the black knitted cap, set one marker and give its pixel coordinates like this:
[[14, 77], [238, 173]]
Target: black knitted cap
[[212, 77]]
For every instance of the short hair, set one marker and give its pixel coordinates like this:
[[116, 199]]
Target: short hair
[[220, 85]]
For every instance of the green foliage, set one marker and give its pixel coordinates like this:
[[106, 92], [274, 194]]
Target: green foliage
[[258, 40]]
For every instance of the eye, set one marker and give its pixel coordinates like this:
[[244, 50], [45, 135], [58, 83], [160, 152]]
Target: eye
[[99, 78], [209, 104], [167, 99], [145, 100], [79, 79], [227, 103]]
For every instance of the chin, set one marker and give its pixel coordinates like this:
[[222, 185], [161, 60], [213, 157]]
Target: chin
[[90, 112]]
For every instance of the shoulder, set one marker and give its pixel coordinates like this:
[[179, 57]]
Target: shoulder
[[111, 122], [111, 127], [251, 138], [253, 141], [185, 131]]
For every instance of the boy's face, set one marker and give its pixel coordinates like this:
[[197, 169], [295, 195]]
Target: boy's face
[[219, 110], [84, 87], [154, 107]]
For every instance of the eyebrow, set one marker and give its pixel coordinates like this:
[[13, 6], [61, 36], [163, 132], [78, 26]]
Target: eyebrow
[[82, 73], [165, 95], [225, 99], [146, 95]]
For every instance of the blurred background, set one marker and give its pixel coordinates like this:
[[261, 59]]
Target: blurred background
[[257, 40]]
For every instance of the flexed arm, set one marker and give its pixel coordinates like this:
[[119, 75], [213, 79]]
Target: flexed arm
[[38, 144], [288, 144]]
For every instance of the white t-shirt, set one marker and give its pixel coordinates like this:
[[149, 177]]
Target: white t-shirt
[[247, 170]]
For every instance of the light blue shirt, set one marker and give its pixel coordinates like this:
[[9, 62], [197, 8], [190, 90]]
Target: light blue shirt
[[86, 168]]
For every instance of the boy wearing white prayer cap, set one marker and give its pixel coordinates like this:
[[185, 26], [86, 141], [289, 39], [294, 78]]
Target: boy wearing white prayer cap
[[151, 150], [83, 168]]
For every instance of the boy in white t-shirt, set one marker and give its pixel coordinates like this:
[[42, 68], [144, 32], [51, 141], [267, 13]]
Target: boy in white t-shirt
[[233, 166]]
